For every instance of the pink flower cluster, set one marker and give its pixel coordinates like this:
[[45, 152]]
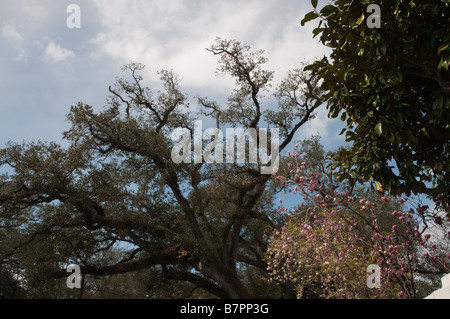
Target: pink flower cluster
[[331, 238]]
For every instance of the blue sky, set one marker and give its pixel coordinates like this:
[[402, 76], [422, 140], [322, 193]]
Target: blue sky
[[47, 67]]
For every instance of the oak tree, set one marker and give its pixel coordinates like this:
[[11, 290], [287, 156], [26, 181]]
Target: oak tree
[[116, 188]]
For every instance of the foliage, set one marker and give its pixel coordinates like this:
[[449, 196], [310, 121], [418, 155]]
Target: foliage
[[187, 229], [338, 230], [392, 87]]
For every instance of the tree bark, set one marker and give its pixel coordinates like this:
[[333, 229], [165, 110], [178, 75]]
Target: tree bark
[[226, 278]]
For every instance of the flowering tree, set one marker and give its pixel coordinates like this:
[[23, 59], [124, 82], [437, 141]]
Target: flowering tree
[[339, 230]]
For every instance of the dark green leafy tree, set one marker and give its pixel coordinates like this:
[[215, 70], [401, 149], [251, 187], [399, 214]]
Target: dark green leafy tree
[[391, 84], [10, 287], [114, 202]]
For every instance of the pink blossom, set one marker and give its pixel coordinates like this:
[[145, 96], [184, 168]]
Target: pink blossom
[[396, 213]]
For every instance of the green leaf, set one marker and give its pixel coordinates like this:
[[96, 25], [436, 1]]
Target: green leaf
[[361, 52], [310, 67], [444, 64], [379, 129], [333, 114], [443, 48], [316, 31], [314, 3], [411, 136], [308, 17], [425, 132], [328, 10], [361, 19], [379, 186], [352, 174], [392, 138], [397, 7], [438, 103], [367, 79], [343, 45]]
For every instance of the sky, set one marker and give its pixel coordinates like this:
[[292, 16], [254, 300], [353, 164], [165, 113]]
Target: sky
[[46, 66]]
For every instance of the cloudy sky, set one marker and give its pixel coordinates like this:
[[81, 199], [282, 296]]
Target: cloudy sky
[[46, 66]]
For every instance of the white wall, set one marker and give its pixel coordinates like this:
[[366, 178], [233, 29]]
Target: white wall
[[444, 292]]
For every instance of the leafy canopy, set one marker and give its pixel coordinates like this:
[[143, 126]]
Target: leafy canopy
[[115, 203], [392, 87]]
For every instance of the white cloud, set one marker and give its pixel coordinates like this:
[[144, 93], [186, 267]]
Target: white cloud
[[16, 40], [10, 33], [175, 34], [33, 11], [55, 53]]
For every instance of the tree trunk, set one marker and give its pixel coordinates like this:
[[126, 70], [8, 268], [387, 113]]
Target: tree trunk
[[226, 278]]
